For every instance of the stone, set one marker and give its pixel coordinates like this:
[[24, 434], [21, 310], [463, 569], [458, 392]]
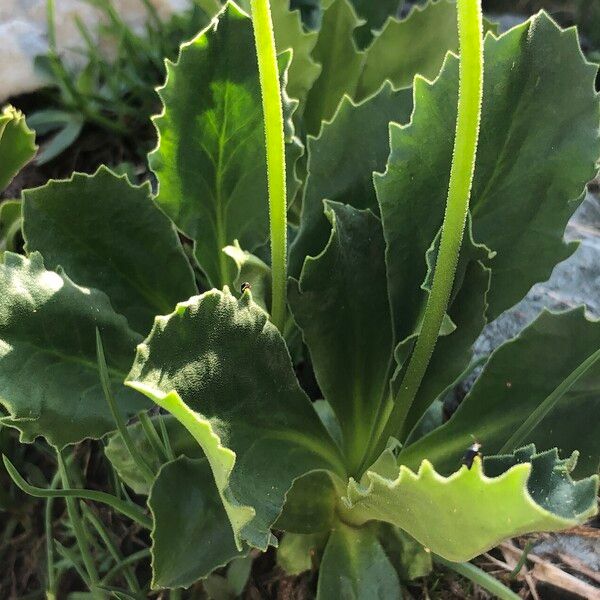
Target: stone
[[24, 35]]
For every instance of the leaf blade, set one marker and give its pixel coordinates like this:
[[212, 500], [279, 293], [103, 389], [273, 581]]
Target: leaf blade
[[227, 387], [50, 383], [116, 240]]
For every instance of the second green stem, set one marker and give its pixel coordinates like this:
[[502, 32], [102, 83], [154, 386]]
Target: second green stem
[[275, 149], [470, 28]]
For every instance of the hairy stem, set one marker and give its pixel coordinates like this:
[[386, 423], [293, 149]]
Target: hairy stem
[[470, 95], [275, 147]]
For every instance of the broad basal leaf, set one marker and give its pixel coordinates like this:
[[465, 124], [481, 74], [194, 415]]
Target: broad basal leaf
[[400, 50], [341, 306], [341, 162], [539, 111], [108, 234], [550, 484], [375, 15], [192, 535], [210, 160], [519, 377], [49, 382], [354, 567], [297, 553], [463, 515], [340, 62], [410, 559], [17, 144], [415, 44], [251, 269], [221, 368], [310, 504], [182, 444]]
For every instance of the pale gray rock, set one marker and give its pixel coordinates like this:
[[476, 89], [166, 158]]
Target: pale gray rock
[[24, 35]]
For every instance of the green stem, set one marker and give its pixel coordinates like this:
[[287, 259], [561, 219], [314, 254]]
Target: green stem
[[461, 176], [51, 581], [152, 436], [132, 511], [125, 563], [164, 434], [275, 147], [111, 547], [480, 577], [81, 535], [116, 414]]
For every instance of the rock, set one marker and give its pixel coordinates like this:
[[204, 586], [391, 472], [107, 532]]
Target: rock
[[24, 35], [21, 42]]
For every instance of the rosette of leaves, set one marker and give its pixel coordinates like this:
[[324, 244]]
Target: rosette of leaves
[[257, 455]]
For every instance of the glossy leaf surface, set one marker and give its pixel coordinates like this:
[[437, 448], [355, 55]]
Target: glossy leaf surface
[[521, 201], [341, 161]]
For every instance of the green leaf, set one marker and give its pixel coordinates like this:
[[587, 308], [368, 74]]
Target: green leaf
[[10, 225], [410, 559], [518, 378], [466, 318], [550, 484], [401, 50], [341, 306], [17, 144], [230, 585], [182, 443], [290, 33], [415, 44], [341, 162], [49, 382], [374, 14], [108, 234], [61, 140], [210, 160], [222, 369], [297, 553], [355, 567], [251, 269], [467, 513], [310, 504], [538, 94], [340, 62], [192, 535]]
